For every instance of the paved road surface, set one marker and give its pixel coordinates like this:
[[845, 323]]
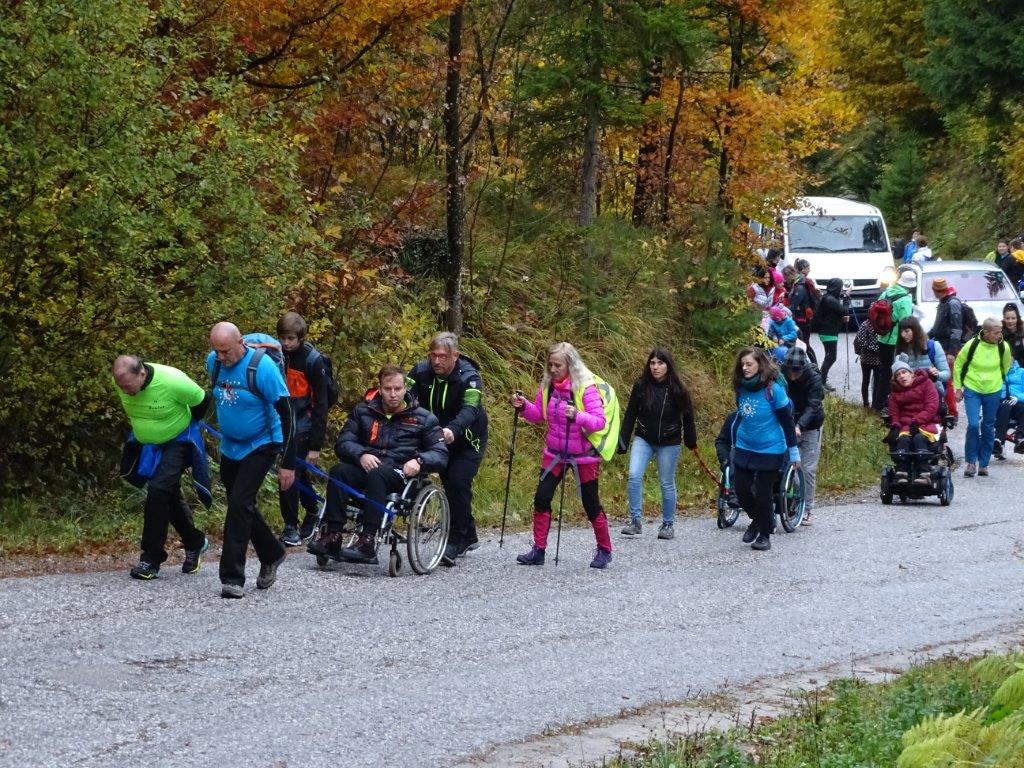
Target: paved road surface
[[350, 666]]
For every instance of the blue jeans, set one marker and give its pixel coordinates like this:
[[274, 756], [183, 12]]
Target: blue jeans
[[981, 425], [640, 454]]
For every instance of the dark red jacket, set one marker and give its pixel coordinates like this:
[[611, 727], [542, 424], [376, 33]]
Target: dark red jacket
[[917, 404]]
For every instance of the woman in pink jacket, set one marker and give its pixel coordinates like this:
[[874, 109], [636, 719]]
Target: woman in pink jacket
[[567, 381]]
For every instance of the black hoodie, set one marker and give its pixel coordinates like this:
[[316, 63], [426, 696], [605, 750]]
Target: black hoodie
[[828, 319]]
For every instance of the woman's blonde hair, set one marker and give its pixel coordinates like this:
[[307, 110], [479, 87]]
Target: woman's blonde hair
[[579, 374]]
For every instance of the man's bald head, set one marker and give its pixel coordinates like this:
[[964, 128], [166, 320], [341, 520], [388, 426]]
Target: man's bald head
[[226, 342], [129, 373]]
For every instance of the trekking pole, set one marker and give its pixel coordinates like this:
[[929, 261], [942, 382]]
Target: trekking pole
[[561, 498], [508, 480]]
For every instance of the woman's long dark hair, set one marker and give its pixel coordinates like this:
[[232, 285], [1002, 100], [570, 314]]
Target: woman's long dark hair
[[919, 344], [676, 388], [765, 367], [1011, 307]]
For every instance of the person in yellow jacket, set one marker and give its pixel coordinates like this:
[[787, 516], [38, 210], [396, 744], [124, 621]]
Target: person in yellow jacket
[[979, 376]]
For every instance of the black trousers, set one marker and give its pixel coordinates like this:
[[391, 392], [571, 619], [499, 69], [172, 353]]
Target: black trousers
[[457, 479], [164, 504], [886, 355], [244, 523], [755, 489], [375, 485], [831, 347], [291, 498], [1003, 416], [916, 442]]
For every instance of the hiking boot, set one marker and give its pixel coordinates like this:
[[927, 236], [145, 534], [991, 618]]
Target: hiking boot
[[472, 544], [997, 450], [900, 476], [750, 534], [465, 546], [144, 571], [308, 527], [363, 551], [290, 537], [982, 471], [328, 545], [268, 573], [633, 528], [924, 479], [232, 591], [666, 531], [969, 470], [534, 557], [192, 560], [601, 559], [761, 543]]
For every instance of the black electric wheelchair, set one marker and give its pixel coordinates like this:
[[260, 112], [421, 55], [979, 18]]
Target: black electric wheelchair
[[423, 507], [936, 462], [789, 500]]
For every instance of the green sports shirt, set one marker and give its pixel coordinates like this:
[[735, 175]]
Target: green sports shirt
[[160, 412]]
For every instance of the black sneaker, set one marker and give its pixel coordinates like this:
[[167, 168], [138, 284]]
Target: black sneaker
[[761, 543], [268, 573], [997, 450], [290, 537], [750, 534], [144, 571], [193, 560], [308, 527], [363, 551], [667, 531], [451, 551], [328, 545]]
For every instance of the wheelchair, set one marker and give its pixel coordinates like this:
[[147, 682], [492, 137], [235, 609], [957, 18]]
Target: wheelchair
[[937, 461], [423, 507], [790, 504]]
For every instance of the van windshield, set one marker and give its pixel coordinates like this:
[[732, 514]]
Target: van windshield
[[974, 285], [836, 234]]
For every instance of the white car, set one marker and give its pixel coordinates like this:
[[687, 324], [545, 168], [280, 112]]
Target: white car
[[980, 284]]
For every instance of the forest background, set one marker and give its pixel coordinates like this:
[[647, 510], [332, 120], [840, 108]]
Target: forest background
[[521, 171]]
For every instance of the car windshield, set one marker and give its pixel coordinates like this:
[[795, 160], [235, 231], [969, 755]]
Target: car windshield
[[974, 285], [836, 234]]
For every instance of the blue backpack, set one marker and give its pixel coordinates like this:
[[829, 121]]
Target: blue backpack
[[262, 344]]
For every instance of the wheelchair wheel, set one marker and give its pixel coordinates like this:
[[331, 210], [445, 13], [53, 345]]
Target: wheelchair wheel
[[727, 515], [394, 563], [946, 488], [427, 535], [885, 487], [791, 502]]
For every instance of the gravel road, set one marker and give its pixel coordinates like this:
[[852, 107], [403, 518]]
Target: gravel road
[[352, 667]]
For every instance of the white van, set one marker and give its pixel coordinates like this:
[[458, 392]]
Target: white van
[[840, 238]]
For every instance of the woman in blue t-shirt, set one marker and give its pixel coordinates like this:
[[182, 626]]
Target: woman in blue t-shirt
[[765, 440]]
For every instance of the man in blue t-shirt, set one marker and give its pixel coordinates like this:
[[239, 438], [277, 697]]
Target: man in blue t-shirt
[[256, 426]]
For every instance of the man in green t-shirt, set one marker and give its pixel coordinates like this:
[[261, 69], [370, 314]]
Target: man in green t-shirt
[[162, 403]]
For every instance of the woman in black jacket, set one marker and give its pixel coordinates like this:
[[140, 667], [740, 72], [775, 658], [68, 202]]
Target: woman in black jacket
[[828, 321], [1013, 331], [661, 410]]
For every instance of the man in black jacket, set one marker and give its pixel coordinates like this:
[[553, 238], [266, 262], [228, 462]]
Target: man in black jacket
[[448, 385], [807, 393], [803, 299], [385, 441]]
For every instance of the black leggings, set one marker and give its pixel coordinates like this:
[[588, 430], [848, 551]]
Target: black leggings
[[866, 372], [916, 442], [831, 347], [546, 493], [755, 491]]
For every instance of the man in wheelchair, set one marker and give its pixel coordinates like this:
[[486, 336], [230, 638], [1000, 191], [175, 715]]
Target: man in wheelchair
[[914, 416], [386, 440]]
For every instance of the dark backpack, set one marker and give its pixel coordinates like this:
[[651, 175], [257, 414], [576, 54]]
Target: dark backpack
[[312, 353], [970, 356], [880, 316], [261, 344], [969, 321]]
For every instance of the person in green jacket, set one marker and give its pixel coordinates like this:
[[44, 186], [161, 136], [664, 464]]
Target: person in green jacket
[[899, 297], [979, 376]]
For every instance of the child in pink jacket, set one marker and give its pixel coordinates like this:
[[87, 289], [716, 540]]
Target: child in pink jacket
[[566, 443]]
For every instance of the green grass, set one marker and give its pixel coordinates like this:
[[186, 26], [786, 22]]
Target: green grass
[[848, 724]]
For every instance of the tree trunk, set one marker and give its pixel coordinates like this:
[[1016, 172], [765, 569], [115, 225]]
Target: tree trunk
[[737, 31], [592, 114], [647, 156], [454, 180], [670, 149]]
